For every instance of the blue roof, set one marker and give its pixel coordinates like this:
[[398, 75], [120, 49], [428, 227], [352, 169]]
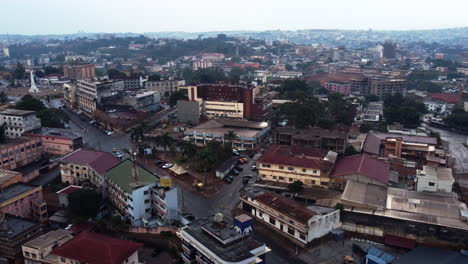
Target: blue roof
[[375, 253]]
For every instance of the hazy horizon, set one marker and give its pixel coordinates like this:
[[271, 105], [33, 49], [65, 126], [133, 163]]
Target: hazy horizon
[[50, 17]]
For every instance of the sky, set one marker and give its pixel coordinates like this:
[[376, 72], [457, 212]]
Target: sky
[[31, 17]]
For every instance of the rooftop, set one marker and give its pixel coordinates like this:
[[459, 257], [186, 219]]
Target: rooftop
[[286, 206], [364, 195], [58, 132], [121, 175], [15, 112], [69, 189], [373, 141], [298, 156], [235, 251], [364, 165], [11, 142], [219, 127], [311, 132], [99, 161], [6, 175], [14, 190], [425, 255], [443, 174], [12, 226], [93, 248], [49, 238]]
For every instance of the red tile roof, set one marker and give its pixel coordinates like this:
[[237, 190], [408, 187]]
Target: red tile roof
[[93, 248], [447, 98], [99, 161], [373, 141], [286, 206], [364, 165], [69, 189], [83, 227], [297, 156]]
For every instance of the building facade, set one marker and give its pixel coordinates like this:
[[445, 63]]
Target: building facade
[[144, 101], [57, 141], [23, 200], [79, 71], [19, 152], [338, 87], [164, 87], [37, 251], [431, 179], [386, 87], [18, 122], [90, 93]]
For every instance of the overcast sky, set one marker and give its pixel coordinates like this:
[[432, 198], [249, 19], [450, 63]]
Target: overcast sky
[[71, 16]]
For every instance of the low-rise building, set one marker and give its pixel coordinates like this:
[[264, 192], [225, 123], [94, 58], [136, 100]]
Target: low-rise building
[[65, 192], [201, 64], [23, 200], [18, 122], [249, 133], [164, 87], [217, 241], [86, 167], [14, 232], [18, 152], [144, 101], [296, 222], [38, 250], [386, 87], [431, 179], [58, 141], [287, 164], [165, 200], [89, 94], [338, 87], [8, 178], [373, 113]]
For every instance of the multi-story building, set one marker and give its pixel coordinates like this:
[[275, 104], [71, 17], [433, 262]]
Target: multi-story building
[[315, 137], [14, 232], [165, 200], [431, 179], [219, 242], [38, 250], [76, 70], [212, 56], [86, 167], [232, 101], [202, 64], [8, 178], [287, 164], [18, 122], [164, 87], [385, 87], [58, 141], [69, 95], [373, 113], [61, 247], [90, 93], [129, 190], [132, 83], [23, 200], [18, 152], [294, 221], [338, 87], [145, 101], [389, 49]]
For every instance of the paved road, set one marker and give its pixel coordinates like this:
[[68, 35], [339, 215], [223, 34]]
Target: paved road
[[456, 148]]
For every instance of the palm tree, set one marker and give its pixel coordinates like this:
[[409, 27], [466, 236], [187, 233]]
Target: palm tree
[[230, 136], [188, 149], [165, 140], [205, 159]]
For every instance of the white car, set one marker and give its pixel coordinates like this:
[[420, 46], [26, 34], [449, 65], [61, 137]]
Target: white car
[[167, 166], [118, 155], [109, 132]]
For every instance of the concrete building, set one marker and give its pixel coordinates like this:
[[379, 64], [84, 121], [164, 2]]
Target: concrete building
[[431, 179], [338, 87], [314, 137], [77, 70], [69, 95], [86, 168], [38, 250], [212, 56], [8, 178], [373, 113], [201, 64], [14, 232], [23, 200], [165, 200], [188, 112], [65, 192], [144, 101], [294, 221], [219, 242], [436, 107], [249, 133], [287, 164], [385, 87], [164, 87], [18, 122], [389, 49], [90, 93], [19, 152], [129, 189], [57, 141]]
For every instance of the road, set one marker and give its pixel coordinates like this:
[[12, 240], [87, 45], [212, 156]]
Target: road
[[456, 148]]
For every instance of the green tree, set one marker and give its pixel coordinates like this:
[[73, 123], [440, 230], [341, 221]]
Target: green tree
[[165, 140], [177, 95], [115, 74], [154, 77], [52, 70], [19, 73], [83, 203], [28, 102], [295, 187], [230, 136], [235, 74], [371, 98], [3, 137], [188, 149], [3, 97], [403, 110], [52, 117], [350, 151], [364, 128], [289, 67]]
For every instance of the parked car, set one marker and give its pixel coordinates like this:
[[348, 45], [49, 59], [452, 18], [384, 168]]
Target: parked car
[[118, 155], [241, 161], [239, 168], [235, 172], [228, 179], [160, 162], [109, 132], [254, 167], [92, 121], [167, 166]]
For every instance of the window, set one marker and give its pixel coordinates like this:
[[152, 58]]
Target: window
[[291, 230], [260, 214], [274, 177], [290, 168], [304, 170], [431, 183], [323, 183], [26, 254], [291, 179], [281, 167], [272, 221], [302, 236], [33, 255], [281, 178], [145, 192], [315, 171], [147, 210], [147, 201]]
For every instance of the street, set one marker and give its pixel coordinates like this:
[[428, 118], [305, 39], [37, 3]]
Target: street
[[456, 148]]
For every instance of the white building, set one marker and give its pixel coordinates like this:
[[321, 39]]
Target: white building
[[436, 107], [431, 179], [144, 100], [165, 200], [301, 224], [164, 87], [90, 93], [18, 122], [202, 64]]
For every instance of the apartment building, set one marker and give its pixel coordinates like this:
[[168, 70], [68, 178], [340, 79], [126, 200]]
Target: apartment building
[[431, 179], [164, 87], [18, 122], [86, 167], [129, 188], [57, 141], [338, 87], [77, 70], [14, 232], [373, 113], [144, 101], [38, 250], [315, 137], [385, 87], [23, 200], [8, 178], [90, 93], [18, 152], [289, 218], [201, 64], [165, 200], [221, 241], [287, 164]]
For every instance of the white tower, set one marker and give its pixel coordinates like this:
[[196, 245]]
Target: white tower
[[33, 88]]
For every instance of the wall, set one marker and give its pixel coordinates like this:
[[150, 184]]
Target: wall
[[423, 184], [16, 155], [140, 207], [152, 230], [311, 177], [321, 225], [23, 206]]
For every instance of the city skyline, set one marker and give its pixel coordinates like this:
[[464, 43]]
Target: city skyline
[[204, 16]]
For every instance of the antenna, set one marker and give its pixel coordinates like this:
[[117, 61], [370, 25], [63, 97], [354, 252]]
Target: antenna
[[135, 174]]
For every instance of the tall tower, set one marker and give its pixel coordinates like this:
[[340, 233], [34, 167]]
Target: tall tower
[[33, 88]]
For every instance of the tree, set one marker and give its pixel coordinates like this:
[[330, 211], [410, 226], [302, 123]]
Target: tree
[[3, 97], [188, 149], [52, 70], [115, 74], [83, 203], [350, 151], [165, 140], [19, 72], [52, 117], [205, 160], [296, 187], [28, 102], [154, 77], [230, 136], [3, 137], [364, 128], [177, 95], [371, 98], [289, 67], [403, 110], [235, 74]]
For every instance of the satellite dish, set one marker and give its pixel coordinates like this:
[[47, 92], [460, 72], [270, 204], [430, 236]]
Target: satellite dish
[[218, 218]]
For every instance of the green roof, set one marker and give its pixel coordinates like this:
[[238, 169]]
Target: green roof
[[121, 175]]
